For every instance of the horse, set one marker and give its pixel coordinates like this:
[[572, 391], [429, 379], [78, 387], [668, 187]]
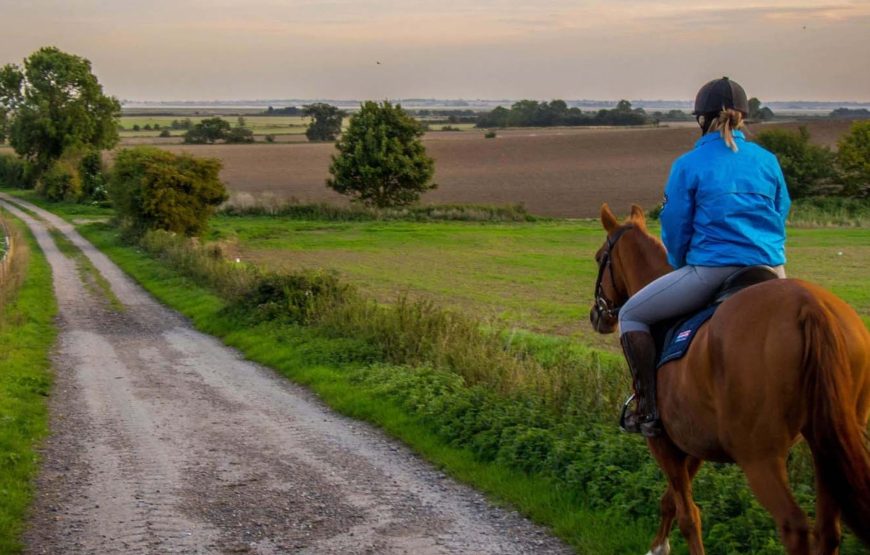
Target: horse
[[778, 360]]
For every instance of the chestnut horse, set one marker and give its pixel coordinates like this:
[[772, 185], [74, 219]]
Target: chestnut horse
[[778, 360]]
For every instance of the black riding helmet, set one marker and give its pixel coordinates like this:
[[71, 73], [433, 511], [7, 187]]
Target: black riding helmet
[[717, 95]]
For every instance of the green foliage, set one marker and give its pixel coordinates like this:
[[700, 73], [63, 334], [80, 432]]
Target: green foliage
[[830, 211], [270, 138], [325, 123], [165, 133], [531, 113], [155, 189], [240, 135], [757, 112], [808, 168], [60, 182], [489, 135], [27, 333], [55, 103], [381, 161], [208, 131], [93, 176], [15, 172], [430, 213], [853, 157]]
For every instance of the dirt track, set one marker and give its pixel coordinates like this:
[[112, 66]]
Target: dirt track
[[166, 441]]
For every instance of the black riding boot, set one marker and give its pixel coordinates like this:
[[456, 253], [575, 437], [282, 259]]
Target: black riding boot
[[640, 351]]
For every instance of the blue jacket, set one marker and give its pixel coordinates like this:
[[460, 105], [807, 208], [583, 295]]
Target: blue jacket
[[725, 208]]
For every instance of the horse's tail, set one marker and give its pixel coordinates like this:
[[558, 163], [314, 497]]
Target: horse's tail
[[833, 431]]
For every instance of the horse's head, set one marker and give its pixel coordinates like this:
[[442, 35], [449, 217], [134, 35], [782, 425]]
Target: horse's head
[[615, 271]]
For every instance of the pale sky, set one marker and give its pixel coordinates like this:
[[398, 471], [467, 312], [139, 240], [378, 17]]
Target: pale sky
[[492, 49]]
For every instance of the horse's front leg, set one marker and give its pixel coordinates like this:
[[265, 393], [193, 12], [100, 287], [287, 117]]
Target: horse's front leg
[[677, 501]]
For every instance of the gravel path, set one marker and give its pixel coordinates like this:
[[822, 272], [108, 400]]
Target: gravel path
[[166, 441]]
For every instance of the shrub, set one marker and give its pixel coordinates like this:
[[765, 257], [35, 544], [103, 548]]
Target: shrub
[[60, 182], [381, 160], [853, 156], [808, 168], [155, 189], [489, 135], [207, 131], [240, 135], [136, 127], [165, 133], [270, 138], [15, 172], [325, 122], [93, 176]]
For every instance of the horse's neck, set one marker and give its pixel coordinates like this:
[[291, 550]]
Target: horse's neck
[[650, 263]]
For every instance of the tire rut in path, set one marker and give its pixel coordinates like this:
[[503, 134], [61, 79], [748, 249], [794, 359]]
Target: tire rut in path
[[166, 441]]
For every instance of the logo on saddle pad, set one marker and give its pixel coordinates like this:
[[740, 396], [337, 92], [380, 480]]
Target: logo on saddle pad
[[683, 335]]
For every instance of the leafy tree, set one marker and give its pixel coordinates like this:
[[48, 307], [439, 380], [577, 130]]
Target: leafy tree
[[381, 161], [93, 176], [165, 133], [807, 167], [61, 181], [208, 131], [240, 135], [241, 122], [757, 112], [55, 102], [853, 156], [155, 189], [325, 123], [623, 106]]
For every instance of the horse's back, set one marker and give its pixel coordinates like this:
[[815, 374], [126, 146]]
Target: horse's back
[[743, 378]]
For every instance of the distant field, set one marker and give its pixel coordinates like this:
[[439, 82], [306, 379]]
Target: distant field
[[261, 125], [537, 276], [565, 172]]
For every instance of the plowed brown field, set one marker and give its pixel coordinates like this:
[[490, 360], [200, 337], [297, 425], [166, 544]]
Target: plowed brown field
[[566, 172]]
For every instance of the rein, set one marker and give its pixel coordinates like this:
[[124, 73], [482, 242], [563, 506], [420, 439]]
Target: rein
[[604, 306]]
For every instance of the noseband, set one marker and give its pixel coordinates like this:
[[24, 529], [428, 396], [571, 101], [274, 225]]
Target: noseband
[[604, 306]]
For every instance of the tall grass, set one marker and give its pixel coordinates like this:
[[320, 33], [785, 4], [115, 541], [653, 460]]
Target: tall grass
[[27, 332], [830, 212], [245, 204]]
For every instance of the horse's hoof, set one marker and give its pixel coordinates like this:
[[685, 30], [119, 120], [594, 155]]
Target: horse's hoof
[[661, 549]]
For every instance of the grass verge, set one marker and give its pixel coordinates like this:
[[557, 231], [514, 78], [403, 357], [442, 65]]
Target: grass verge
[[92, 279], [27, 333]]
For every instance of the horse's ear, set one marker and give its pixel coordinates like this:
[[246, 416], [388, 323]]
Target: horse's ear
[[637, 217], [608, 220]]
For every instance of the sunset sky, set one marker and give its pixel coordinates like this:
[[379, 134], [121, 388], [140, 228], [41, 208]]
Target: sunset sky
[[251, 49]]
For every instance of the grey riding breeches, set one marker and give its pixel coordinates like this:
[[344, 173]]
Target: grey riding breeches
[[673, 294]]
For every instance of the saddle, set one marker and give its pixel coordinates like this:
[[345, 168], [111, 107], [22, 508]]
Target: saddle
[[674, 336]]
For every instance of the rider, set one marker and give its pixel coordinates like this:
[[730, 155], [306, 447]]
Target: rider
[[725, 207]]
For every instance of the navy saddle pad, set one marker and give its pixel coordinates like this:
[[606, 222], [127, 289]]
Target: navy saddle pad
[[679, 337]]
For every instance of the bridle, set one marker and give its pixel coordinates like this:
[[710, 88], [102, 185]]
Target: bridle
[[605, 307]]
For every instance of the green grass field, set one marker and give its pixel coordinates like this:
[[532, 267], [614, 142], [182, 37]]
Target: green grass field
[[535, 276]]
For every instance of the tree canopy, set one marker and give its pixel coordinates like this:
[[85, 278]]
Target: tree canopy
[[381, 161], [208, 131], [52, 103], [325, 121], [531, 113]]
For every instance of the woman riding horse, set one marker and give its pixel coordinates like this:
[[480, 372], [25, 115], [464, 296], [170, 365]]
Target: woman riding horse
[[725, 207], [778, 361]]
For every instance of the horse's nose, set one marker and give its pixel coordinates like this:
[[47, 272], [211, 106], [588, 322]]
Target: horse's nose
[[594, 318]]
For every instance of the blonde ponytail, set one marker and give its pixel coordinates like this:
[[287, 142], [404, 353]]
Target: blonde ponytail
[[727, 121]]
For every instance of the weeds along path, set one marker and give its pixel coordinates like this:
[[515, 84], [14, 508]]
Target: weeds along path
[[166, 441]]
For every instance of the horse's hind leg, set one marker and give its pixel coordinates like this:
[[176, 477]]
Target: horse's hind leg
[[677, 502], [661, 545], [769, 482], [827, 531]]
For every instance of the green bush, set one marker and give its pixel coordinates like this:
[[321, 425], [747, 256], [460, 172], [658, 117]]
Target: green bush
[[240, 135], [165, 133], [489, 135], [381, 161], [93, 176], [155, 189], [270, 138], [808, 168], [60, 182], [207, 131], [15, 172], [853, 156]]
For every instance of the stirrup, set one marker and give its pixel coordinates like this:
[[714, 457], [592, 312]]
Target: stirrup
[[623, 416]]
